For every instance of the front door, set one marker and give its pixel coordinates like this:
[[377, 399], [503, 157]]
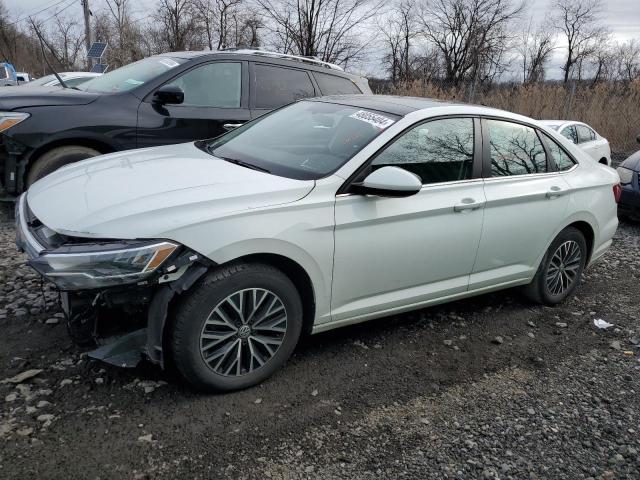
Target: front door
[[394, 253], [213, 103]]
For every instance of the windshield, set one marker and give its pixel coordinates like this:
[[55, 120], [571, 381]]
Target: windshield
[[306, 140], [131, 76], [42, 80]]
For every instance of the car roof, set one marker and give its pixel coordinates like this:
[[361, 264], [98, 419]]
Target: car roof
[[394, 104], [311, 63]]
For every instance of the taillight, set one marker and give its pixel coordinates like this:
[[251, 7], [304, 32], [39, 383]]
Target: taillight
[[617, 191]]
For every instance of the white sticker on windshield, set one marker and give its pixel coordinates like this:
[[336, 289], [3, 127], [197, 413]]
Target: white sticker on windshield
[[374, 119], [167, 62]]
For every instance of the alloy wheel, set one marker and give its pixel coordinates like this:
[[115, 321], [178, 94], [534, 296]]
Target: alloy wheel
[[563, 268], [243, 332]]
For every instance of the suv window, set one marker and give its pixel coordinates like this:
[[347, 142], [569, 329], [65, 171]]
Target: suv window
[[275, 86], [332, 85], [3, 72], [212, 85], [436, 151], [570, 133], [515, 149], [585, 134], [562, 160]]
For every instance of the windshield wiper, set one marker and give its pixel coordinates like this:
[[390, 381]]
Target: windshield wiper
[[245, 164]]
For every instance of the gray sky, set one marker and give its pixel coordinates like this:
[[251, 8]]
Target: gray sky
[[621, 16]]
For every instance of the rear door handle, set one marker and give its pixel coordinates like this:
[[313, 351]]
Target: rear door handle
[[231, 126], [468, 204], [555, 192]]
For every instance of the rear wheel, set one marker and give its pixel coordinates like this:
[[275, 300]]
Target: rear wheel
[[561, 268], [236, 328], [56, 158]]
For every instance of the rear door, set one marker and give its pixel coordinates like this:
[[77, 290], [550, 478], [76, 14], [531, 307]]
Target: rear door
[[526, 200], [587, 140], [273, 86], [215, 100]]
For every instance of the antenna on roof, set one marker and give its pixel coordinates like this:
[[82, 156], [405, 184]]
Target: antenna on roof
[[44, 56]]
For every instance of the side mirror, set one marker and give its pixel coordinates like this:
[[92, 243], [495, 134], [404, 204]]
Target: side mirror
[[169, 94], [638, 139], [389, 182]]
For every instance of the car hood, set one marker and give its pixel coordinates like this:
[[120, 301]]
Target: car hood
[[632, 162], [149, 192], [22, 97]]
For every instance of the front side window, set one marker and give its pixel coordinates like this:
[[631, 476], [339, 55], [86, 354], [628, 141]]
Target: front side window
[[275, 86], [333, 85], [306, 140], [212, 85], [436, 151], [515, 149], [570, 133], [585, 134], [562, 160]]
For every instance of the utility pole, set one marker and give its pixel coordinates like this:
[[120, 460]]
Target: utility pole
[[87, 29]]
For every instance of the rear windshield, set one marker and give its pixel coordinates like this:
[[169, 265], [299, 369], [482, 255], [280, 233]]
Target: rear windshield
[[132, 75], [306, 140]]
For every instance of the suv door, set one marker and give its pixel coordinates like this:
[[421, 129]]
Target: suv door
[[394, 252], [526, 201], [273, 86], [215, 100]]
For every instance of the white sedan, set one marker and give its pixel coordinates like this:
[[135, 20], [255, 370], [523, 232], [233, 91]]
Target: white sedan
[[221, 253], [71, 79], [585, 137]]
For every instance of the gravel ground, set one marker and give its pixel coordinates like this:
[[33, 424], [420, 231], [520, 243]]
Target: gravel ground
[[492, 387]]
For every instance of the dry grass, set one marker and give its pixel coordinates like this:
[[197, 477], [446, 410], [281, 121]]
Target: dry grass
[[613, 110]]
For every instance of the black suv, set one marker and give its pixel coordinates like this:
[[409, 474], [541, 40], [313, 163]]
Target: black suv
[[164, 99]]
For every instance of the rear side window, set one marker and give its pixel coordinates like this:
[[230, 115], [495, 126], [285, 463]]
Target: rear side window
[[585, 134], [436, 151], [275, 86], [560, 157], [332, 85], [3, 72], [515, 149], [570, 133]]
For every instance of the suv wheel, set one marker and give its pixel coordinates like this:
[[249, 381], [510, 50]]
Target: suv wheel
[[561, 268], [236, 328], [56, 158]]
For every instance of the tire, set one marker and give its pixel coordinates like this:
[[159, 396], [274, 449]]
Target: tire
[[544, 288], [207, 310], [56, 158]]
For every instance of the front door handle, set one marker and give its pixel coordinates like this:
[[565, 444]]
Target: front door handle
[[231, 126], [555, 192], [468, 204]]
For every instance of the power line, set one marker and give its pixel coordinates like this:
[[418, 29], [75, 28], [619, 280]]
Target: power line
[[59, 11], [36, 13]]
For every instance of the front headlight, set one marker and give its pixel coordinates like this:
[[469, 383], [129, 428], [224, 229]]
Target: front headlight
[[81, 270], [626, 175], [9, 119]]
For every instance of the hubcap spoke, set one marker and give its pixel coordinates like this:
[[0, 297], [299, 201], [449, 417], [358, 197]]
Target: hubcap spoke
[[243, 332], [563, 267]]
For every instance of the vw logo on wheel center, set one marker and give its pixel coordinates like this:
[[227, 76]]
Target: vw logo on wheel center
[[244, 331]]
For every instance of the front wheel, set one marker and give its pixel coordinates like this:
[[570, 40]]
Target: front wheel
[[56, 158], [236, 328], [561, 268]]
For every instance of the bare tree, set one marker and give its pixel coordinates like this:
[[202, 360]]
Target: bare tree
[[332, 30], [176, 25], [397, 30], [628, 55], [578, 22], [63, 43], [471, 35], [536, 48]]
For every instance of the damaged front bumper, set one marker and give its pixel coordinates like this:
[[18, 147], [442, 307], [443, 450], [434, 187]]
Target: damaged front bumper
[[100, 305]]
